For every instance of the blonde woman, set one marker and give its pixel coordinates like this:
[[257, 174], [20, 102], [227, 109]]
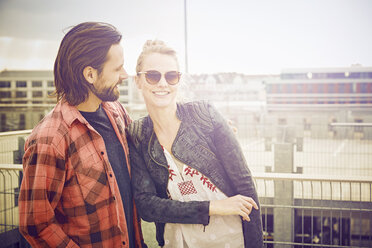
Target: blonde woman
[[189, 174]]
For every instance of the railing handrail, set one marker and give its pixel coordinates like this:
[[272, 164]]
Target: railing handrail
[[11, 133], [351, 124], [302, 177], [11, 167], [265, 176]]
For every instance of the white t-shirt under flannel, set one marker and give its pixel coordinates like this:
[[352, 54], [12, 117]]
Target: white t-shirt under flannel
[[191, 185]]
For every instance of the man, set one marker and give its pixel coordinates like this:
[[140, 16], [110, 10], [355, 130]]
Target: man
[[76, 187]]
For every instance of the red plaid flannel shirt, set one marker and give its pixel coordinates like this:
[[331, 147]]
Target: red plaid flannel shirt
[[69, 196]]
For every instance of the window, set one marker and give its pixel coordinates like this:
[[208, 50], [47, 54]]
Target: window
[[36, 84], [282, 121], [342, 88], [21, 84], [16, 196], [355, 75], [3, 123], [336, 75], [50, 84], [4, 84], [320, 88], [369, 87], [300, 88], [358, 128], [363, 88], [5, 94], [331, 88], [319, 75], [293, 76], [37, 94], [286, 88], [269, 88], [307, 124], [314, 88], [22, 122], [20, 94], [279, 88], [125, 82], [124, 92]]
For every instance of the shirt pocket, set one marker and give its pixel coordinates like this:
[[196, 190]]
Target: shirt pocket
[[93, 185], [92, 179]]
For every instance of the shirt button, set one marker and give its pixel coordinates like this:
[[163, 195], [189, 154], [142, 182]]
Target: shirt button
[[110, 175], [102, 153], [114, 198], [123, 242]]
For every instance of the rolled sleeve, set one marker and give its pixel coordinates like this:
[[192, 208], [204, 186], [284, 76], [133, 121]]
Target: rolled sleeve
[[41, 189]]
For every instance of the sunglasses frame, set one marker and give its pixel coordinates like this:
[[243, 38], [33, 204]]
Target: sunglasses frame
[[161, 75]]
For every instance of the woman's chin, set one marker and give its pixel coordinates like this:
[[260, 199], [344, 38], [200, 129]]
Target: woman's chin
[[160, 103]]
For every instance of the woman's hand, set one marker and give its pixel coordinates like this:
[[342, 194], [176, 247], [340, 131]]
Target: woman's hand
[[235, 205]]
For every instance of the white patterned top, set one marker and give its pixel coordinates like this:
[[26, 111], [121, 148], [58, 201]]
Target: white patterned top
[[191, 185]]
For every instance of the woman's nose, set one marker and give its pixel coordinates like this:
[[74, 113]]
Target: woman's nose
[[162, 81]]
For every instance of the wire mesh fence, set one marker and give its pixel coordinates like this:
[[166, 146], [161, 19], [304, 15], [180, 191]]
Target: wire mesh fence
[[314, 184]]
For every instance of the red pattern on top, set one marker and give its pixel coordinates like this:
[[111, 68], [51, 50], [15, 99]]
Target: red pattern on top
[[210, 185], [187, 188], [191, 172], [171, 173]]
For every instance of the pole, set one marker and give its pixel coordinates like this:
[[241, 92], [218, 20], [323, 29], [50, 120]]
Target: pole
[[186, 59]]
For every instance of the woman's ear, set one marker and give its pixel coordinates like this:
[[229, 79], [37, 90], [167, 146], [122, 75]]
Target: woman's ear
[[90, 74]]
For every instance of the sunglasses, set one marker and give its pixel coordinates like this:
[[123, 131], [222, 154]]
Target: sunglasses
[[153, 77]]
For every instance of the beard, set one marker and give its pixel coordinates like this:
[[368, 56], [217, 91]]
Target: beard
[[106, 94]]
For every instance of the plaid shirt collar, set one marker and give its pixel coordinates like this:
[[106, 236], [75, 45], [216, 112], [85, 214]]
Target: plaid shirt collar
[[71, 113]]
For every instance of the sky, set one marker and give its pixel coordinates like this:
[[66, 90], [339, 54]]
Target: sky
[[243, 36]]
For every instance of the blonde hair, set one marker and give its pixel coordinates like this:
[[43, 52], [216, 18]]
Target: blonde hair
[[159, 46], [154, 46]]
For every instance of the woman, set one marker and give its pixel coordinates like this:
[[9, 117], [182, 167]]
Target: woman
[[189, 174]]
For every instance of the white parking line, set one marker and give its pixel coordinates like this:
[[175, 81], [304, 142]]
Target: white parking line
[[340, 147], [254, 143]]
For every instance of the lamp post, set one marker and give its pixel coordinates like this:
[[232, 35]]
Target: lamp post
[[185, 15]]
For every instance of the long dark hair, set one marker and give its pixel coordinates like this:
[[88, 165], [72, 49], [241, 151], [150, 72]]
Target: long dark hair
[[86, 44]]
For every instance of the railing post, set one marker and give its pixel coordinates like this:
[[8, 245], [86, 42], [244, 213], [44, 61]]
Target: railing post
[[17, 157], [283, 217]]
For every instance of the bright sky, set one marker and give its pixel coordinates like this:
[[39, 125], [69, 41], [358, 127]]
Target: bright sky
[[241, 36]]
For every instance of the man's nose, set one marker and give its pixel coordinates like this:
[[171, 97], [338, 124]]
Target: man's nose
[[124, 74]]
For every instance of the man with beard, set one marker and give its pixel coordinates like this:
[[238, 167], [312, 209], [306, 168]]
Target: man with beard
[[76, 187]]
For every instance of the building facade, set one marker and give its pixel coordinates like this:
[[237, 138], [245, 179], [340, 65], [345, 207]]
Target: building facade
[[317, 98], [26, 96]]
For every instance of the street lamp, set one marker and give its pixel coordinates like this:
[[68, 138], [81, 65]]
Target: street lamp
[[186, 60]]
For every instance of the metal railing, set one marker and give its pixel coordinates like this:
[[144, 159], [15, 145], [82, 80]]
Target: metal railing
[[314, 183], [10, 176], [9, 190], [317, 211], [297, 210]]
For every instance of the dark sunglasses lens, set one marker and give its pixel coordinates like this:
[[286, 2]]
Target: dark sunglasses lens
[[172, 77], [153, 77]]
